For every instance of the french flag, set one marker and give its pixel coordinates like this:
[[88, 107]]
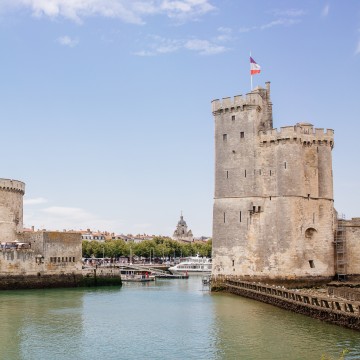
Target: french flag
[[254, 67]]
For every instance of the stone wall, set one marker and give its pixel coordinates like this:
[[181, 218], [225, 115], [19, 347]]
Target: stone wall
[[44, 281], [273, 204], [352, 228], [11, 208], [19, 262], [49, 253]]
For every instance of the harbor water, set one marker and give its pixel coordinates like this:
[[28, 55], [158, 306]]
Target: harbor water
[[165, 319]]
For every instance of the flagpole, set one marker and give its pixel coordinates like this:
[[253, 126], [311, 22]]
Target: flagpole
[[251, 75]]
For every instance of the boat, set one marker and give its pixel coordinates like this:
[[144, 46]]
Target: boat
[[136, 276], [192, 265]]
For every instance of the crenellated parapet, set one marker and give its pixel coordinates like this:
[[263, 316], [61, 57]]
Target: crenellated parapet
[[302, 132], [251, 100], [12, 185]]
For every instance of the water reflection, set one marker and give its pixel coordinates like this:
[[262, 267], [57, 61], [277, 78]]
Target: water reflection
[[166, 319], [39, 322], [253, 330]]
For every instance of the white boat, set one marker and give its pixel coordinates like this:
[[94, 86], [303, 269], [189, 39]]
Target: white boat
[[192, 265], [136, 276]]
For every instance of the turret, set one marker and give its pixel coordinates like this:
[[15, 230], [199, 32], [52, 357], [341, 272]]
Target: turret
[[11, 208]]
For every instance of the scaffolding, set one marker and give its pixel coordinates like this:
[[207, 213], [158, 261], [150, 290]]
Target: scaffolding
[[340, 249]]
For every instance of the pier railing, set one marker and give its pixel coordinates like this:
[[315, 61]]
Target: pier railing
[[339, 311]]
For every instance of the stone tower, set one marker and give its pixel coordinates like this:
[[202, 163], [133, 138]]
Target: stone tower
[[273, 205], [11, 208]]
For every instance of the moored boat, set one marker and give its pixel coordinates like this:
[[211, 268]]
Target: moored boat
[[192, 265], [136, 276]]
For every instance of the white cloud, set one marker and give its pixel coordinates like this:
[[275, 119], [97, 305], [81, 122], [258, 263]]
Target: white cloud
[[35, 201], [144, 53], [289, 13], [204, 47], [129, 11], [325, 11], [67, 41], [286, 17], [61, 211], [225, 34], [247, 29], [158, 46], [357, 50], [70, 218], [280, 22]]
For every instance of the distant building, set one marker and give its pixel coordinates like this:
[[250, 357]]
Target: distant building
[[181, 232], [93, 236]]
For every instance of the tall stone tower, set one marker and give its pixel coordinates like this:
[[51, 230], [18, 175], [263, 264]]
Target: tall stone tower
[[273, 206], [11, 208]]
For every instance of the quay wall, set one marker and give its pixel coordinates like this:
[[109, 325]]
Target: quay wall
[[343, 312], [96, 277]]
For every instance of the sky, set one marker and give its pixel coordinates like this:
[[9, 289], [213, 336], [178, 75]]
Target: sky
[[105, 105]]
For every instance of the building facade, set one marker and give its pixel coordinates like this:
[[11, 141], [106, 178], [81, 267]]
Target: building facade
[[181, 232], [273, 215], [25, 252], [45, 253], [347, 249]]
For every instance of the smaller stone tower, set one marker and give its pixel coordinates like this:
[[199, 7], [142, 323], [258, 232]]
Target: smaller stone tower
[[11, 208], [181, 232]]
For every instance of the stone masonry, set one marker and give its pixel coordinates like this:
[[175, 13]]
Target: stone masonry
[[11, 208], [273, 216]]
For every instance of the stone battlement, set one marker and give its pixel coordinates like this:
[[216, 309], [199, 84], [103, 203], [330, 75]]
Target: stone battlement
[[239, 102], [12, 185], [302, 132]]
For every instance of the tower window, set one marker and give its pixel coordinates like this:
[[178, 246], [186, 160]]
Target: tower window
[[224, 217], [227, 174], [311, 263], [241, 134], [233, 263], [270, 172], [233, 117], [285, 164], [240, 216], [224, 137], [245, 173]]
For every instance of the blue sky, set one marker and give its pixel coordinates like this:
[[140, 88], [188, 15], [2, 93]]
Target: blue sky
[[105, 104]]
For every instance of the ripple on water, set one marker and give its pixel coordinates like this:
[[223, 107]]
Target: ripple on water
[[167, 319]]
